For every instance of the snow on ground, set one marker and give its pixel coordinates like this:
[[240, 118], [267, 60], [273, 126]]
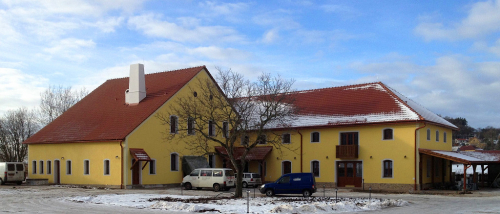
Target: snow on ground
[[231, 205]]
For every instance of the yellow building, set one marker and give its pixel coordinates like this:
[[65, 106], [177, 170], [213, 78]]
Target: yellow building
[[352, 136]]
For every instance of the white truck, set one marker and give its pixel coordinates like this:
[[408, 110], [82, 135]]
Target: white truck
[[12, 172]]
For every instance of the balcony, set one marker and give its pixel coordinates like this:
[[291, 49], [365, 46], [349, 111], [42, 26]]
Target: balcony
[[347, 151]]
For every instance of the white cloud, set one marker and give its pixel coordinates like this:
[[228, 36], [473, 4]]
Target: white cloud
[[19, 89], [152, 25], [224, 9], [71, 49], [271, 36], [482, 19]]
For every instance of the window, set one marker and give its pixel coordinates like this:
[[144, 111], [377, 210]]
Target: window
[[195, 172], [206, 173], [286, 167], [429, 167], [286, 138], [211, 160], [68, 167], [211, 128], [444, 137], [225, 129], [217, 173], [174, 162], [49, 167], [33, 167], [106, 167], [152, 167], [173, 124], [41, 167], [428, 134], [246, 167], [388, 134], [86, 167], [315, 168], [359, 170], [341, 170], [349, 138], [262, 139], [315, 137], [11, 167], [387, 168], [437, 136], [284, 180], [244, 140], [190, 126]]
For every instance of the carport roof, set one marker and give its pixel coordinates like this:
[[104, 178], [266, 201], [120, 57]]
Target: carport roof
[[465, 157]]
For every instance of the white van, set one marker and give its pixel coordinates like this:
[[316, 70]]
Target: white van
[[216, 178], [11, 172]]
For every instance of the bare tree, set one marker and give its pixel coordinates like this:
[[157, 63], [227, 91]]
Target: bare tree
[[222, 116], [57, 100], [16, 127]]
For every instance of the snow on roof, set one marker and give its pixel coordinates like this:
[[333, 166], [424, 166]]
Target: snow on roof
[[458, 155], [471, 155]]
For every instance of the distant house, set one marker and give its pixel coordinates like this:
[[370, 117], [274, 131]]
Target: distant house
[[461, 141]]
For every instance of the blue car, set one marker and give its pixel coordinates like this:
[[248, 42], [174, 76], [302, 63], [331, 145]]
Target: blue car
[[293, 183]]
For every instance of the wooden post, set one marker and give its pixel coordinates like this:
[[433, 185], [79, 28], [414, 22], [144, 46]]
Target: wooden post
[[465, 177], [482, 175], [474, 175]]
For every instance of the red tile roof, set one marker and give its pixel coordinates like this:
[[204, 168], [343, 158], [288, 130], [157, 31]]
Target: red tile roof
[[103, 115], [256, 153]]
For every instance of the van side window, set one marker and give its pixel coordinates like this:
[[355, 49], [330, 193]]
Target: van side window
[[11, 167], [217, 173], [206, 172], [195, 173], [284, 180], [229, 172]]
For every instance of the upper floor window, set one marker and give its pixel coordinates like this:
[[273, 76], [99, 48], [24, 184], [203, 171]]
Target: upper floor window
[[315, 168], [428, 134], [190, 125], [174, 162], [211, 128], [349, 138], [173, 124], [388, 134], [387, 165], [286, 138], [225, 129], [444, 137], [437, 136], [262, 139], [315, 137]]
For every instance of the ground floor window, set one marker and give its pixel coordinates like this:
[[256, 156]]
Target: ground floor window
[[263, 168], [152, 167], [106, 167], [315, 168], [286, 167], [387, 168], [49, 167], [68, 167], [174, 162], [211, 160], [33, 167], [86, 167], [41, 167]]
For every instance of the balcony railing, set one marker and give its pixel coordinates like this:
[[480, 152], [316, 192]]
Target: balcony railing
[[347, 151]]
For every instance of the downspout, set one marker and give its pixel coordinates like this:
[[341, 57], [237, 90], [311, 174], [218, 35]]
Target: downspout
[[415, 158], [300, 150], [121, 157]]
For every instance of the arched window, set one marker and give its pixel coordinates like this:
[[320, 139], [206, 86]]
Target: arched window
[[428, 134], [388, 134], [173, 124], [174, 162], [437, 135], [387, 166], [286, 167], [315, 137], [444, 137], [315, 168]]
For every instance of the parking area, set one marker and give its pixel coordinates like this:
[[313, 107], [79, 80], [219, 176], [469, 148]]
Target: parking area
[[48, 199]]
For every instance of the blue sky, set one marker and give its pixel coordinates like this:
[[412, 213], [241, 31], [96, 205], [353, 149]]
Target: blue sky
[[445, 55]]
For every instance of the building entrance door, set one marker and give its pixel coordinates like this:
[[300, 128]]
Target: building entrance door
[[349, 173], [136, 169]]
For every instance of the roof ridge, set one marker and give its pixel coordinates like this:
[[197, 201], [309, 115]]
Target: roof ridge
[[342, 86], [176, 70]]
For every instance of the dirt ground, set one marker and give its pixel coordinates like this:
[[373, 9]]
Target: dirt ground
[[47, 199]]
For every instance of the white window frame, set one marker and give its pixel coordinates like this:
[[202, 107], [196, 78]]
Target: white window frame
[[283, 168], [33, 167], [104, 167], [49, 166], [382, 164], [319, 136], [152, 165], [176, 124], [41, 167], [319, 168], [283, 138], [87, 166], [383, 130], [70, 167], [437, 135], [177, 162]]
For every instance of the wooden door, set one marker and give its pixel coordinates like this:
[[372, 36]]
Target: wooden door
[[135, 173], [349, 173], [57, 172]]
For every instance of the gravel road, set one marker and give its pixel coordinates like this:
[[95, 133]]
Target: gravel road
[[47, 199]]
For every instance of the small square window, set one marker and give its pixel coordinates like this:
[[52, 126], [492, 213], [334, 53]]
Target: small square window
[[286, 138]]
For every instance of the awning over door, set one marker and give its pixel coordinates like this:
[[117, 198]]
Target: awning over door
[[258, 153], [139, 155]]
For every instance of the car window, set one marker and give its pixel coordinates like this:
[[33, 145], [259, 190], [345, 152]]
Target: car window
[[284, 180], [206, 173], [255, 175], [11, 167], [19, 167], [217, 173], [229, 173], [195, 173], [247, 176]]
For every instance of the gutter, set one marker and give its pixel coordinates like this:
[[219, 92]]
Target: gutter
[[415, 157], [121, 158]]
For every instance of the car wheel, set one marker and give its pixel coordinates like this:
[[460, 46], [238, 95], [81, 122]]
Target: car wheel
[[188, 186], [269, 192], [245, 185], [216, 187], [306, 193]]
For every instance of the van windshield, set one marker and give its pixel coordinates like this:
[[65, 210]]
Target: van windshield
[[229, 173]]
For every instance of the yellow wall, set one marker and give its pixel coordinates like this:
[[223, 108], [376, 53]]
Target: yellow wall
[[432, 143], [95, 152]]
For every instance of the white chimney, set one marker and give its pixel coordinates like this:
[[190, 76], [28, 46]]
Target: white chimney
[[137, 85]]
